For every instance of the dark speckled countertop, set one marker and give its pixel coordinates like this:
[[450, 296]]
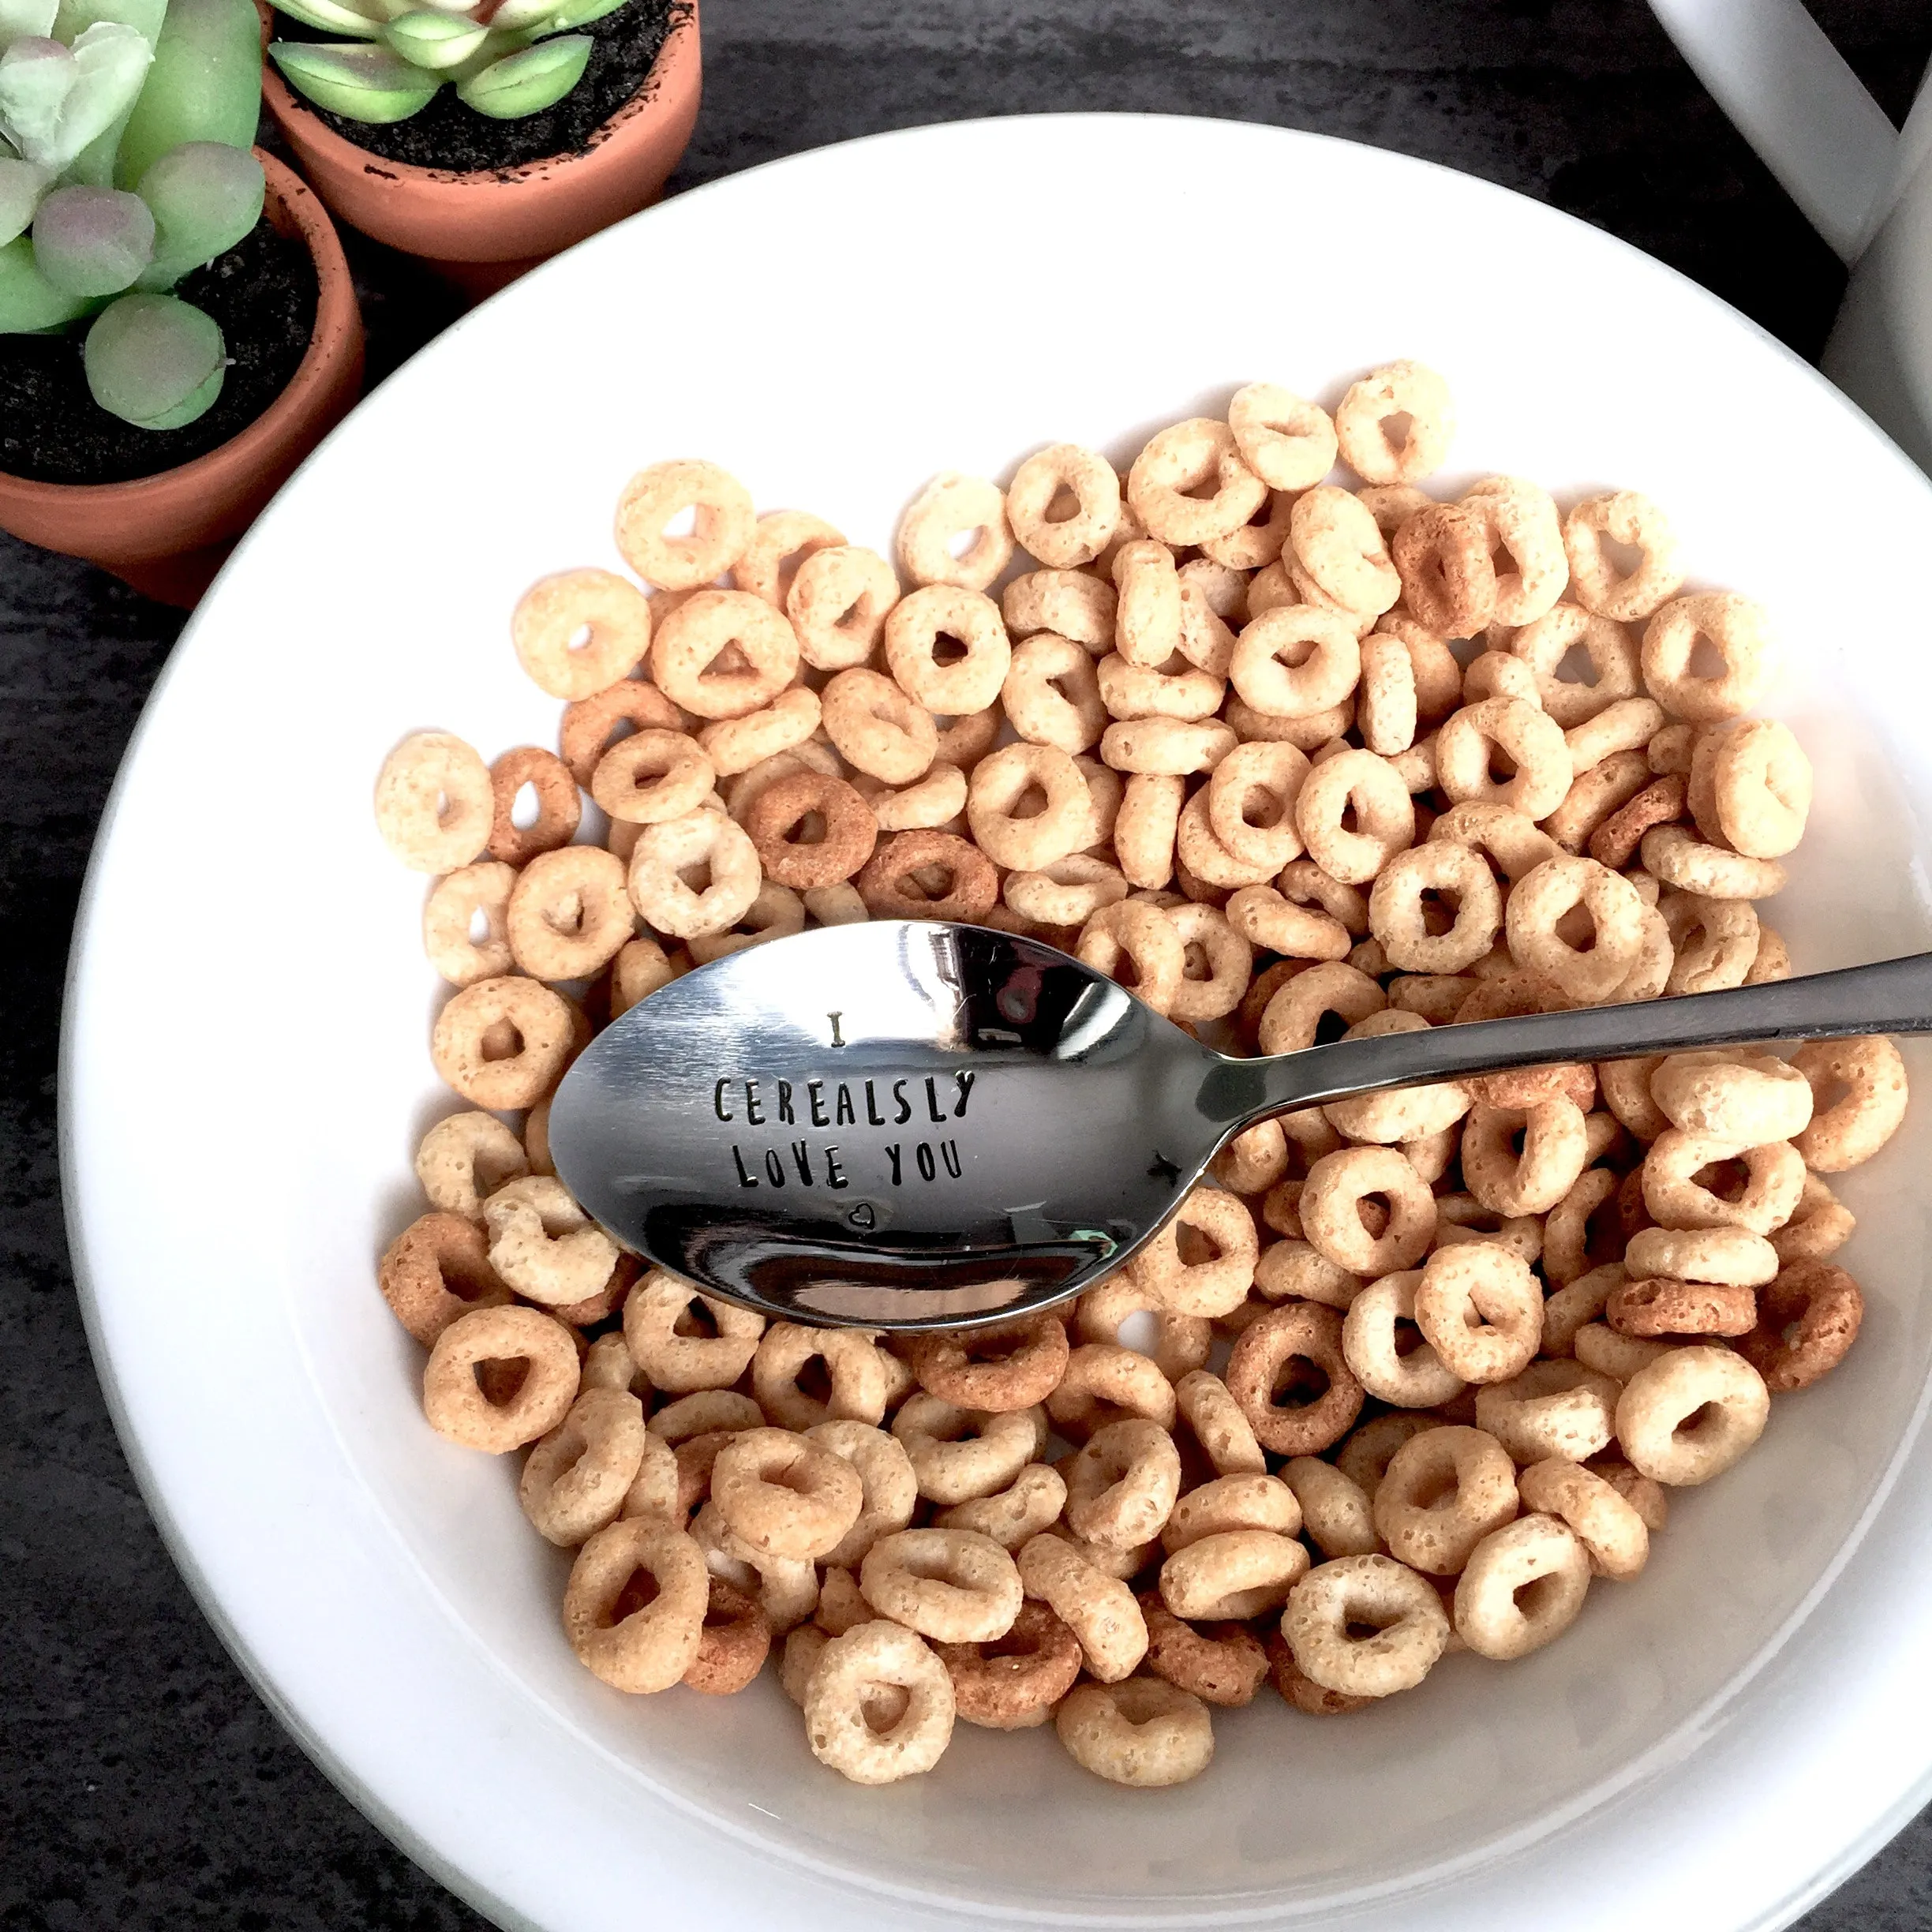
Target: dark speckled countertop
[[142, 1784]]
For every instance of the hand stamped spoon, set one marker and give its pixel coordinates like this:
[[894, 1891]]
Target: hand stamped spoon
[[906, 1124]]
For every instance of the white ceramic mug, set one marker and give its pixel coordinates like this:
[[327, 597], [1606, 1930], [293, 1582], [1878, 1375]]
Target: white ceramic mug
[[1865, 187]]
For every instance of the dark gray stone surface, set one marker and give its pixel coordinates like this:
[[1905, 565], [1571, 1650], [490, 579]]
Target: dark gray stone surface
[[141, 1782]]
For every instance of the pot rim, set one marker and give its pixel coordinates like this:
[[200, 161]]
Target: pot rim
[[284, 105], [334, 302]]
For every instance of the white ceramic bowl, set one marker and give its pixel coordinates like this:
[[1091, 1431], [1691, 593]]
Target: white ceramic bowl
[[246, 1073]]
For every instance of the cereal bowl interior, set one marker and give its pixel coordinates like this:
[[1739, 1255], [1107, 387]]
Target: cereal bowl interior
[[247, 1076]]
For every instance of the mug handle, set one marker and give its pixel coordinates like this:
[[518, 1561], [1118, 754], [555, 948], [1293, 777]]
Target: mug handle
[[1794, 98]]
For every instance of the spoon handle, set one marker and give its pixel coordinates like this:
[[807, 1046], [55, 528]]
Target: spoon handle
[[1894, 996]]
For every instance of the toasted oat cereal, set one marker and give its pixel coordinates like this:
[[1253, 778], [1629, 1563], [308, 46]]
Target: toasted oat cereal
[[1259, 786]]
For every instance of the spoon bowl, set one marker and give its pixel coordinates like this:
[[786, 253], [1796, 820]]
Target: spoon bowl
[[905, 1123], [873, 1124]]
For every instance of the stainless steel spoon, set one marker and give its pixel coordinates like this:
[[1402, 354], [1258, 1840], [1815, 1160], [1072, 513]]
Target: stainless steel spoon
[[906, 1124]]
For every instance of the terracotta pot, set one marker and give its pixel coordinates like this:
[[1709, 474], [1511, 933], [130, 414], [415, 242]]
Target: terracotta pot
[[486, 226], [168, 534]]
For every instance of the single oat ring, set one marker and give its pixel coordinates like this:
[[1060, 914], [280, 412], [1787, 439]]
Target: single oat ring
[[1266, 735]]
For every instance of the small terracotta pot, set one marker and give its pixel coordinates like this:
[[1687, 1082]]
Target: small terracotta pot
[[167, 534], [486, 226]]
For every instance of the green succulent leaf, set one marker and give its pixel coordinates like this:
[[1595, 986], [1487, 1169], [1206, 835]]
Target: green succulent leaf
[[37, 77], [435, 41], [21, 186], [27, 20], [75, 17], [204, 197], [487, 55], [574, 13], [29, 303], [367, 84], [205, 85], [55, 100], [330, 17], [95, 164], [155, 362], [527, 83], [515, 16], [112, 61], [92, 241]]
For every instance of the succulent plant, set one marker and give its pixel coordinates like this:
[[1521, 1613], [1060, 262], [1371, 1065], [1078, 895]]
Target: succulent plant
[[125, 133], [498, 54]]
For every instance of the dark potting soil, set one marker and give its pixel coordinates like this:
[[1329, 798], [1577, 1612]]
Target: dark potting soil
[[447, 135], [262, 293]]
